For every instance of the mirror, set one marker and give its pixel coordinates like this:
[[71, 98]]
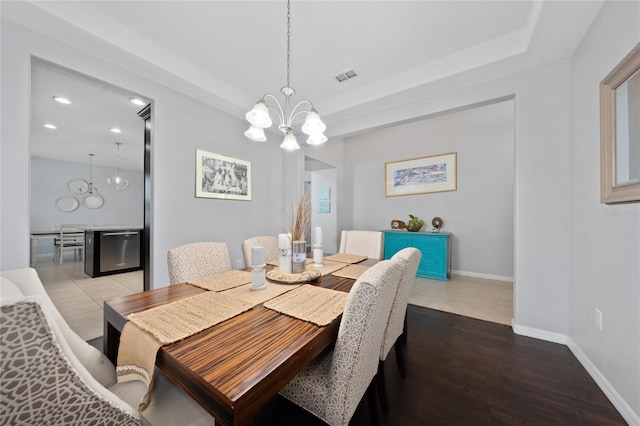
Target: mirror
[[620, 132]]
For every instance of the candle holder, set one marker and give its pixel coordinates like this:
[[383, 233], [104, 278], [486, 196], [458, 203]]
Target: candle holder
[[318, 256], [258, 277], [299, 259]]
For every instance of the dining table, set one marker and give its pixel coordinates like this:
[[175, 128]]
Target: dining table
[[233, 368]]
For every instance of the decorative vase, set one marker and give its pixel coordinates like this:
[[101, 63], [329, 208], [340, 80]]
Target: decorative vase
[[299, 257]]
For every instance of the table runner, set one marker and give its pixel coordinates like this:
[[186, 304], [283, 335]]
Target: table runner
[[346, 258], [276, 262], [317, 305], [145, 332], [351, 271], [328, 267], [255, 298], [223, 280]]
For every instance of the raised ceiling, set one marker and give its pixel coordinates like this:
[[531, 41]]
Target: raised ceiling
[[230, 53]]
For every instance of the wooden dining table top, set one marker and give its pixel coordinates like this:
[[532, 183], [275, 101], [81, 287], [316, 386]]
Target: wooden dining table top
[[233, 368]]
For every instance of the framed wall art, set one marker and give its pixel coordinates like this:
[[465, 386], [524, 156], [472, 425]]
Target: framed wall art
[[219, 176], [423, 175]]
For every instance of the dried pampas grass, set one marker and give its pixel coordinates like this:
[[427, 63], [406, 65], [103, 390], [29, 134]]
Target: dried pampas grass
[[299, 215]]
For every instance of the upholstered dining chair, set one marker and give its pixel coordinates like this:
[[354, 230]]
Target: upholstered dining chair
[[365, 243], [333, 384], [49, 375], [197, 260], [270, 245], [409, 259]]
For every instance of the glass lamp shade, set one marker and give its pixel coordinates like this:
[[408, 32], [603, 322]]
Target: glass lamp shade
[[117, 182], [317, 139], [313, 124], [255, 133], [290, 143], [259, 115]]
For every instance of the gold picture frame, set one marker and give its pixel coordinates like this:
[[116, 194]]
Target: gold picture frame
[[422, 175]]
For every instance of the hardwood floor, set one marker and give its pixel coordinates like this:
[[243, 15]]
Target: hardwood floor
[[463, 371]]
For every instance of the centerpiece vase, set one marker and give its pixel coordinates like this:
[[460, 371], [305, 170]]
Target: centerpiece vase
[[299, 257]]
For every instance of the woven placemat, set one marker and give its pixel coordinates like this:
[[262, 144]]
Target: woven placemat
[[351, 271], [186, 317], [256, 298], [346, 258], [223, 280], [317, 305]]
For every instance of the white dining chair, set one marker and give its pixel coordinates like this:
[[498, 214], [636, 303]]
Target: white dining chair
[[364, 243], [395, 333], [49, 375], [196, 260], [333, 384], [269, 243], [70, 238]]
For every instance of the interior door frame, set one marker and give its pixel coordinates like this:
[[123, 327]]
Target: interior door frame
[[145, 114]]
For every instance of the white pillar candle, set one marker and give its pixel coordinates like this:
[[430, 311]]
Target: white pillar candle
[[317, 236], [257, 256], [284, 249], [318, 256], [284, 242]]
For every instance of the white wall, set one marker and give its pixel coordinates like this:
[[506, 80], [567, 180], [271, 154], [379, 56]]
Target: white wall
[[326, 221], [479, 214], [605, 239], [181, 124], [48, 182]]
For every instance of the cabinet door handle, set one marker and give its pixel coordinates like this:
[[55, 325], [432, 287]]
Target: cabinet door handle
[[110, 234]]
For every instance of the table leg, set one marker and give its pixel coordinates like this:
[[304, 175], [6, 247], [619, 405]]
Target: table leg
[[110, 342]]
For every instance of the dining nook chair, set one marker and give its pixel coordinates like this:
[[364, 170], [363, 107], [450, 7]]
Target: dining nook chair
[[196, 260], [269, 243], [364, 243], [333, 384], [70, 238], [408, 259]]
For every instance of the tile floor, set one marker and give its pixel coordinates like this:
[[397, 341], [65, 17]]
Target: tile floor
[[80, 298], [480, 298]]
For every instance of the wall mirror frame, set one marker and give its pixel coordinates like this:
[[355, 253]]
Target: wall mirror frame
[[613, 189]]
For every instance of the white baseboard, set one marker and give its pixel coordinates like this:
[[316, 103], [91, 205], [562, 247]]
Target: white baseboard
[[539, 334], [485, 276], [618, 402]]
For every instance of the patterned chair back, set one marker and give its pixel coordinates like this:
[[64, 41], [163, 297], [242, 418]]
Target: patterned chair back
[[197, 260], [363, 324], [409, 258], [270, 245]]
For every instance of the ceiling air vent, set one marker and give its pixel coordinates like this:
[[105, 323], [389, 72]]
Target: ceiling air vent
[[346, 75]]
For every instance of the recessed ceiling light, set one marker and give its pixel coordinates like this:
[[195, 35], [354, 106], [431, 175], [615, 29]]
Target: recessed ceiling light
[[61, 100], [115, 130], [137, 101], [49, 126]]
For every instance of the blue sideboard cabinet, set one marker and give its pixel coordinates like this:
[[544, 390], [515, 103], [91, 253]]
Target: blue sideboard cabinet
[[435, 247]]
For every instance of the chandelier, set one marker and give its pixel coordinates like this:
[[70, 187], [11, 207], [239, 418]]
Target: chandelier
[[260, 119], [116, 181]]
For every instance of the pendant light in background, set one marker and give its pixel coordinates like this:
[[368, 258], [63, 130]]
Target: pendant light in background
[[116, 181]]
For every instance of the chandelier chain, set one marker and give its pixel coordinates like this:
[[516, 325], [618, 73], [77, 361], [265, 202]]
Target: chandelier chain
[[288, 41]]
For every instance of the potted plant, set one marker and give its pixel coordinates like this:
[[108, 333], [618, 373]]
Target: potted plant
[[414, 224]]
